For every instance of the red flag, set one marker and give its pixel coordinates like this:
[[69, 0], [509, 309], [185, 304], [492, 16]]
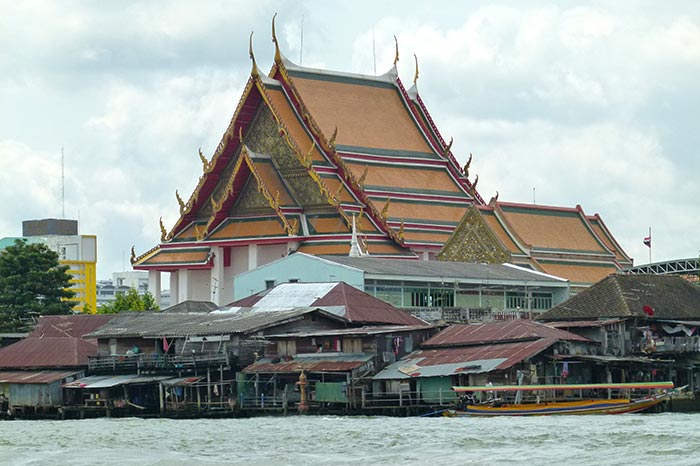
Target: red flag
[[647, 241]]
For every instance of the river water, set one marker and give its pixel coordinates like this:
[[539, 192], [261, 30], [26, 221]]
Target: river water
[[652, 439]]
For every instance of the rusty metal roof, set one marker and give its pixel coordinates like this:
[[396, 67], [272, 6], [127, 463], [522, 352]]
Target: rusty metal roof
[[325, 362], [356, 331], [500, 331], [47, 352], [583, 323], [464, 360], [68, 326], [26, 377]]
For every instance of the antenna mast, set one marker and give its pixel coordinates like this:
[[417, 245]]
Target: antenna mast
[[63, 188]]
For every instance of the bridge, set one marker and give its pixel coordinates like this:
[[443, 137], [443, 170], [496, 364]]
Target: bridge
[[672, 267]]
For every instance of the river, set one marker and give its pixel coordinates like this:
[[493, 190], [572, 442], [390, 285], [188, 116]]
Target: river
[[663, 439]]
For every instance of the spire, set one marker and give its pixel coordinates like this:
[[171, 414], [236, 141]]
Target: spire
[[278, 54], [254, 71], [355, 249], [415, 77], [396, 57]]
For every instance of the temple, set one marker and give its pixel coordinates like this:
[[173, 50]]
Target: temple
[[329, 163]]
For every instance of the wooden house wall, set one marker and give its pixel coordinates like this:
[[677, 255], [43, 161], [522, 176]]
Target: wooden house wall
[[145, 345]]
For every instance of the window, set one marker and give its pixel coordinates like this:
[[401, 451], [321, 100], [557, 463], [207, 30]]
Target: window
[[269, 284]]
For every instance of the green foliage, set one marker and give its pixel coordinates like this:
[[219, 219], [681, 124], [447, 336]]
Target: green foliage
[[129, 301], [32, 283]]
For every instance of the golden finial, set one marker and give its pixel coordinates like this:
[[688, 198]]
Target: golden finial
[[197, 233], [449, 146], [332, 140], [476, 181], [466, 167], [415, 76], [216, 206], [278, 55], [205, 163], [163, 233], [295, 227], [401, 230], [307, 159], [361, 181], [254, 70], [385, 209], [180, 201], [277, 199], [337, 193], [495, 198], [396, 57], [133, 254], [240, 133]]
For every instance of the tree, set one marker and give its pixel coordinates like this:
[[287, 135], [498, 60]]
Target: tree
[[32, 283], [129, 301]]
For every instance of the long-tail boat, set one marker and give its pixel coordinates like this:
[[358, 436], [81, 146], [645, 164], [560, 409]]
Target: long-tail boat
[[539, 400]]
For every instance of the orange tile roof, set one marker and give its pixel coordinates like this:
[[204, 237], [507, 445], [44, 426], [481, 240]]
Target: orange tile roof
[[418, 179], [437, 237], [249, 228], [556, 229], [272, 180], [179, 256], [605, 238], [188, 234], [323, 225], [332, 182], [448, 214], [500, 232], [296, 130], [578, 273], [343, 249], [371, 116]]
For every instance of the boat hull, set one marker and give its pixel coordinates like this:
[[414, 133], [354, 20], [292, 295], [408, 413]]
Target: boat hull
[[563, 407]]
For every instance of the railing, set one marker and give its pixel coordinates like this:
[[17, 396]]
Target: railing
[[154, 361]]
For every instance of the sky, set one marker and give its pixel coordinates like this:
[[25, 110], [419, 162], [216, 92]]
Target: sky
[[561, 103]]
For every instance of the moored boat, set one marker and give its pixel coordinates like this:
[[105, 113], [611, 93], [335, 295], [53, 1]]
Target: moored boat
[[540, 400]]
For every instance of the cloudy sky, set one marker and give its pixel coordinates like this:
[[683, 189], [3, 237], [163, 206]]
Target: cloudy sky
[[566, 102]]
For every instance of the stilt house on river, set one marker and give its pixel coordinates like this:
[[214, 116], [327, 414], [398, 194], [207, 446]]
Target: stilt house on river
[[647, 325], [309, 153], [33, 370]]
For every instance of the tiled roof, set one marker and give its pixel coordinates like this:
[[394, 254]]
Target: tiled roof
[[495, 332], [180, 256], [326, 362], [624, 296], [192, 306]]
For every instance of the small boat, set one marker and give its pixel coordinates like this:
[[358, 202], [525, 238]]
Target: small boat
[[541, 400]]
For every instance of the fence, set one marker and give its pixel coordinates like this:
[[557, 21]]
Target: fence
[[153, 360]]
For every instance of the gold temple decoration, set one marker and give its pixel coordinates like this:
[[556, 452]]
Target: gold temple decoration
[[495, 198], [472, 190], [163, 233], [361, 181], [254, 70], [180, 202], [331, 141], [415, 76], [206, 165], [401, 228], [133, 254], [278, 55], [466, 166], [385, 209], [396, 57], [199, 234], [449, 146]]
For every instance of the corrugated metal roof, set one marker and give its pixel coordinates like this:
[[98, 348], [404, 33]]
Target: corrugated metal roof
[[326, 362], [583, 323], [100, 381], [25, 377], [356, 305], [509, 330], [181, 381], [468, 359], [445, 270], [378, 330], [157, 324], [192, 306], [48, 352]]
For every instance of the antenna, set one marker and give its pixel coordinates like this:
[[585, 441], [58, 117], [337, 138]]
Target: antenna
[[374, 52], [301, 47], [533, 196], [63, 188]]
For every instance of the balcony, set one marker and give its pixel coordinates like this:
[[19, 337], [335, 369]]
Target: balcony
[[150, 361]]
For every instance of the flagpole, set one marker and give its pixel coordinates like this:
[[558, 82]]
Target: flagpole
[[651, 243]]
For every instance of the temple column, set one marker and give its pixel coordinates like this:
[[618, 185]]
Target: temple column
[[183, 286], [216, 278], [174, 282], [252, 256], [154, 284]]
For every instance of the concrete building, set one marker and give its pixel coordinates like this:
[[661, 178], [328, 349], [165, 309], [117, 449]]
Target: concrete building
[[433, 290]]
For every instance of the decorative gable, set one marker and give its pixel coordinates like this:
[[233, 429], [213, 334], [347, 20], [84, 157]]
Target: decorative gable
[[474, 241]]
